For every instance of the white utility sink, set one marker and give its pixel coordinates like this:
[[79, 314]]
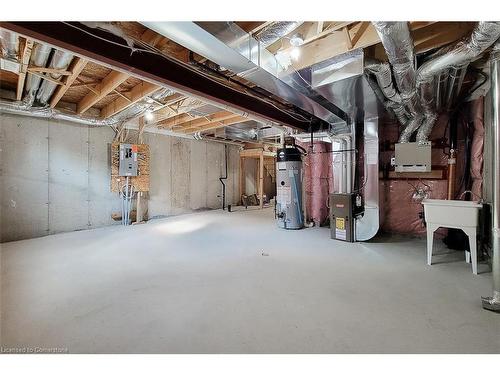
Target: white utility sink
[[452, 214]]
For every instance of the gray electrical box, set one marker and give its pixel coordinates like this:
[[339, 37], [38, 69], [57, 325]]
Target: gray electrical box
[[128, 160], [413, 157]]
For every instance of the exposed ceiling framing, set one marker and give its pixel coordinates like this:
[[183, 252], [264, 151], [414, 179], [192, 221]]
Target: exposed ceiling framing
[[108, 81]]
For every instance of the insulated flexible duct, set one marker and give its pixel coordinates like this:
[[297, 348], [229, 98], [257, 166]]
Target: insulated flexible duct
[[60, 60], [39, 58], [275, 31], [398, 44], [457, 58], [10, 44]]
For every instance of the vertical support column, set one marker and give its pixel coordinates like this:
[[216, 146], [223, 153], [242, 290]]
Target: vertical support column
[[242, 178], [493, 303], [261, 179]]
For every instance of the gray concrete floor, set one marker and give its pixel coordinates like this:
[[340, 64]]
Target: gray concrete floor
[[200, 284]]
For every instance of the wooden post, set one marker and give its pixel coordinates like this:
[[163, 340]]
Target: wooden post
[[261, 179]]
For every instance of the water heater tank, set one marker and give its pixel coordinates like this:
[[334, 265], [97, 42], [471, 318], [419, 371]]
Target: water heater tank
[[289, 188]]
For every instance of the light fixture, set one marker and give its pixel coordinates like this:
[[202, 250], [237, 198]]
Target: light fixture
[[295, 53], [297, 40], [149, 116]]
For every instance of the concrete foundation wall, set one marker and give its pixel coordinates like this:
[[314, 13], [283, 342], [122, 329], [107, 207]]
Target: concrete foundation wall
[[55, 177]]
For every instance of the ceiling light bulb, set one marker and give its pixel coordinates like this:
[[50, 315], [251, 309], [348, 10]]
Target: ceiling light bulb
[[295, 53], [149, 116], [297, 40]]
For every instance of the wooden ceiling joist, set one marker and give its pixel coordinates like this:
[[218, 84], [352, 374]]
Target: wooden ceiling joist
[[426, 35], [107, 85], [27, 46], [236, 119], [174, 121], [202, 121], [137, 93], [75, 68]]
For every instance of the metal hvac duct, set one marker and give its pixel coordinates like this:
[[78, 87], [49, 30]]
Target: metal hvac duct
[[60, 60], [398, 44], [229, 46], [493, 303], [275, 31], [457, 58], [10, 44], [21, 108], [39, 58]]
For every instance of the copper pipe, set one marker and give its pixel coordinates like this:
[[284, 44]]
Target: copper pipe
[[452, 162]]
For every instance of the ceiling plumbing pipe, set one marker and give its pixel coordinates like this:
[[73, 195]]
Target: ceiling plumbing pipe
[[10, 44], [456, 57], [60, 60], [39, 58], [493, 303]]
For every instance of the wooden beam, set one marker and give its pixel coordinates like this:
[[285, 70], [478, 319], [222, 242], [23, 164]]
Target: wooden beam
[[319, 27], [194, 125], [217, 124], [174, 121], [359, 33], [330, 29], [76, 67], [137, 93], [426, 35], [347, 37], [108, 84], [27, 46], [39, 69]]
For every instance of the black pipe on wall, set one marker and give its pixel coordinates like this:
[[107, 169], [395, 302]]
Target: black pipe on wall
[[224, 178]]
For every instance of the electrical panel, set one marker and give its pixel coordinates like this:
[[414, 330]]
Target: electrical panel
[[128, 160], [413, 157], [344, 208]]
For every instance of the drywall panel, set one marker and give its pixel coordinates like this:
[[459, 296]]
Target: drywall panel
[[68, 177], [198, 183], [102, 202], [23, 185], [180, 185], [159, 203]]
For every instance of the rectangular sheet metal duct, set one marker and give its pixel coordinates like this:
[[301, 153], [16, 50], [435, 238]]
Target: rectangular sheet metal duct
[[230, 47]]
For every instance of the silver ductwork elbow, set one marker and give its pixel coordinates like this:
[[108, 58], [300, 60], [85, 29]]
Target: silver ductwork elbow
[[457, 57], [10, 44], [275, 31], [60, 60]]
